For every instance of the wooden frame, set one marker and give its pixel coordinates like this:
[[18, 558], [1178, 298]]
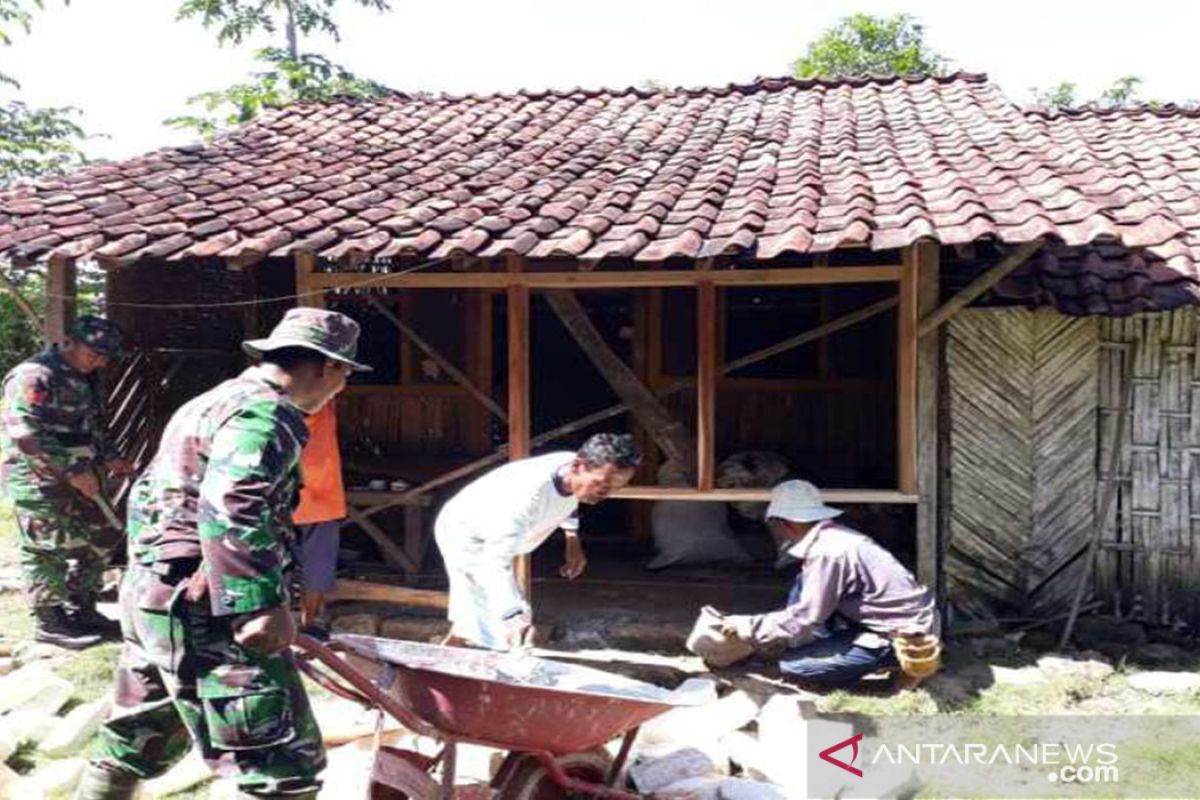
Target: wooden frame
[[519, 409], [60, 299], [801, 276], [706, 387]]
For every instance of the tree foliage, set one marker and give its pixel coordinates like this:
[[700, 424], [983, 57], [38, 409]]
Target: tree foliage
[[862, 44], [286, 74], [1125, 92]]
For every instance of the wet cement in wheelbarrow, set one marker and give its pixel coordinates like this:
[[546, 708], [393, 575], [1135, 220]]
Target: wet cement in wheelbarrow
[[516, 669]]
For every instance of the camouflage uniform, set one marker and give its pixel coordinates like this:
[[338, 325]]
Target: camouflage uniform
[[210, 539], [51, 429]]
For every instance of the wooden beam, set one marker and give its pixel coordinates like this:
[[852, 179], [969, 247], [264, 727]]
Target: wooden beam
[[668, 432], [799, 276], [308, 280], [844, 321], [706, 386], [926, 257], [844, 496], [519, 407], [60, 299], [393, 554], [906, 377], [454, 372], [978, 286], [384, 593]]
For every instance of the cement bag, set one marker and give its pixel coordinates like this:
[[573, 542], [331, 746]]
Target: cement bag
[[690, 532], [707, 641], [753, 469]]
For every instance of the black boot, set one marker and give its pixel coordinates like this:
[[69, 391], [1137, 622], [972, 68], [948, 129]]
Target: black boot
[[84, 614], [53, 626]]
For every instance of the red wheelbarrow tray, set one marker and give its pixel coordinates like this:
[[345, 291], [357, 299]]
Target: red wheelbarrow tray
[[474, 696]]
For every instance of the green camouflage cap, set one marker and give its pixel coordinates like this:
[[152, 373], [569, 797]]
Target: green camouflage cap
[[328, 332], [100, 334]]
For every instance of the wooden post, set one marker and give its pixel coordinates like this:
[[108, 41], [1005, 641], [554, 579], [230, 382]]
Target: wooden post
[[60, 299], [926, 256], [306, 265], [706, 385], [906, 376], [519, 424]]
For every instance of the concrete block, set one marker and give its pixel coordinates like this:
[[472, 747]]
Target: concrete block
[[74, 730], [1166, 683], [342, 721], [27, 725], [55, 779], [710, 721], [743, 789], [691, 789], [25, 684], [652, 775]]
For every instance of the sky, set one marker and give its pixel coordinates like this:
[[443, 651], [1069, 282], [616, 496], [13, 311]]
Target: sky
[[128, 64]]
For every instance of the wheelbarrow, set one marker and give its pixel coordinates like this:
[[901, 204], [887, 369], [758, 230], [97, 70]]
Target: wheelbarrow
[[552, 718]]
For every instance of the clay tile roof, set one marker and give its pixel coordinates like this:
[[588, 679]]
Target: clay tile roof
[[755, 170]]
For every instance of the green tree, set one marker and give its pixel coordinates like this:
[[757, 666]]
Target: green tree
[[33, 141], [862, 44], [287, 75], [1123, 93]]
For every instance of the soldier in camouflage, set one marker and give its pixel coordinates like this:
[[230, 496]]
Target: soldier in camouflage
[[204, 604], [53, 451]]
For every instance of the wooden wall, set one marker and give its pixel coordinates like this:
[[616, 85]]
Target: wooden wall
[[1021, 403]]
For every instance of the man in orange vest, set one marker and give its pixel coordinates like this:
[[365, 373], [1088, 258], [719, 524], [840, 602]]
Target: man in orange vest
[[319, 515]]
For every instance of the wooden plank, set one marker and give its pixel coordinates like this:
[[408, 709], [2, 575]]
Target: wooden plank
[[906, 376], [308, 280], [384, 593], [60, 299], [845, 496], [519, 407], [801, 276], [454, 372], [926, 257], [393, 553], [706, 386], [668, 432], [978, 286]]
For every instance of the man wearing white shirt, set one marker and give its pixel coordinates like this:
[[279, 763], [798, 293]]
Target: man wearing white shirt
[[509, 512]]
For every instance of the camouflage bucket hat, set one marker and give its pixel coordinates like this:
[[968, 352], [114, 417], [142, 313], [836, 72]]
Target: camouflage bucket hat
[[99, 334], [328, 332]]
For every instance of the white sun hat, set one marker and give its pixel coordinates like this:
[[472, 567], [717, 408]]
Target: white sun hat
[[799, 501]]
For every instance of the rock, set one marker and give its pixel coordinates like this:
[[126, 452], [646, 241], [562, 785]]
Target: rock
[[27, 725], [682, 726], [744, 751], [363, 624], [33, 652], [187, 773], [743, 789], [1166, 683], [415, 629], [1023, 676], [784, 731], [691, 789], [24, 684], [1158, 655], [1102, 633], [54, 779], [1069, 668], [7, 665], [342, 721], [652, 775], [74, 730]]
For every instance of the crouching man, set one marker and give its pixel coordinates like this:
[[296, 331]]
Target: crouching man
[[845, 576]]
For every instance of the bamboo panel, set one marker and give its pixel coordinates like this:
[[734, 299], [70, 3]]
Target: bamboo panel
[[1021, 404], [1148, 549]]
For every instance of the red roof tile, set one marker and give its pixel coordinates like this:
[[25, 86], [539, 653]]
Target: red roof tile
[[759, 170]]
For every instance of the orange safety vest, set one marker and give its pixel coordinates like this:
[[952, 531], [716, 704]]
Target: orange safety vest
[[322, 497]]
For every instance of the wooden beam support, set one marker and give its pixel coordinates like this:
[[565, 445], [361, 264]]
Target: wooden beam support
[[669, 433], [454, 372], [628, 279], [60, 299], [393, 554], [706, 386], [926, 257], [384, 593], [978, 286], [308, 280], [844, 496], [519, 406], [906, 377]]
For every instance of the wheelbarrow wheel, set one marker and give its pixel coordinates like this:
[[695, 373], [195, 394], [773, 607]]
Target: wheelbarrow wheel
[[527, 779]]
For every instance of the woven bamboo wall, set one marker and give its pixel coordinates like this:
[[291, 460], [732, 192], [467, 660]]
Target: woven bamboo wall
[[1021, 403], [1148, 544]]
